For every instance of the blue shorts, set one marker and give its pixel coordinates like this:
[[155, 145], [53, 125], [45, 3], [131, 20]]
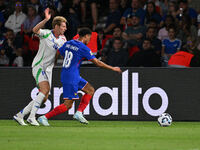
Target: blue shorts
[[70, 90]]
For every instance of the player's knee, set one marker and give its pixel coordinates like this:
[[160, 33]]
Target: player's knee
[[91, 91], [68, 105], [44, 88], [45, 91]]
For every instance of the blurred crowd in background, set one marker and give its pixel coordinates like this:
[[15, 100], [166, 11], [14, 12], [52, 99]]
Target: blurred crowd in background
[[138, 33]]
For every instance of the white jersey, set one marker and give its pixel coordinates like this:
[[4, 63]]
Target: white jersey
[[48, 47]]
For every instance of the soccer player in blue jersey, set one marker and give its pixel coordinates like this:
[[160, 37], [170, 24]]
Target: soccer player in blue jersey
[[74, 52]]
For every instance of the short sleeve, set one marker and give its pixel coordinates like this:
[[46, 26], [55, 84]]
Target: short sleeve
[[44, 33], [62, 49], [164, 43], [88, 54], [179, 44]]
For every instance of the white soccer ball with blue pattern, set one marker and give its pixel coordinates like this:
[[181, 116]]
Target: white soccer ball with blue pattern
[[165, 120]]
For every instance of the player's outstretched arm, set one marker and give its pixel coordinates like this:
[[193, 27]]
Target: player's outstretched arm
[[103, 65], [37, 28]]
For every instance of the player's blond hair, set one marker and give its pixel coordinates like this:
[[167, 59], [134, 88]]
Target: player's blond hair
[[58, 20]]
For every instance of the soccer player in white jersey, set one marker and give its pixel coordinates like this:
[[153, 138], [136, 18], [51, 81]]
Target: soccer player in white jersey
[[50, 41]]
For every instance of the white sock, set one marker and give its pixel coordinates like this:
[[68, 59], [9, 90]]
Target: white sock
[[26, 110], [79, 112], [36, 105]]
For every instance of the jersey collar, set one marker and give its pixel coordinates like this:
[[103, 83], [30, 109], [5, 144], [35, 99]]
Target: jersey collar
[[54, 35]]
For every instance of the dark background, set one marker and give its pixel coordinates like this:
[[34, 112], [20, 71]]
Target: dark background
[[181, 85]]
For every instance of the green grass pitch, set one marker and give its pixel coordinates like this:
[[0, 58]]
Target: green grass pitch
[[100, 135]]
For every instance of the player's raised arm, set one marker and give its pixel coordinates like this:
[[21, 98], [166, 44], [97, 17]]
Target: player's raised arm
[[37, 28], [103, 65]]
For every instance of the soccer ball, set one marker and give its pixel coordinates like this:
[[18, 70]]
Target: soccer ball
[[165, 120]]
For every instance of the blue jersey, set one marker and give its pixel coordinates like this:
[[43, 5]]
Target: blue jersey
[[74, 52], [171, 47]]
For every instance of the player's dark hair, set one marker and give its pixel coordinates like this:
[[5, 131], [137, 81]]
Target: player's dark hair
[[9, 30], [172, 27], [153, 20], [84, 31], [154, 6], [147, 39], [170, 17], [150, 28], [183, 1], [119, 26]]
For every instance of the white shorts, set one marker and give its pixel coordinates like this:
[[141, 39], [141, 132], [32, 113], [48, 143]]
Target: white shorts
[[40, 75]]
